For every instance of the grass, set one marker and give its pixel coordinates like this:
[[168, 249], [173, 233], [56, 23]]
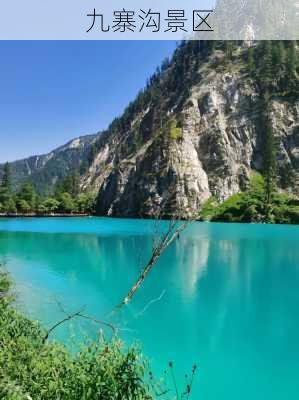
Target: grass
[[32, 369]]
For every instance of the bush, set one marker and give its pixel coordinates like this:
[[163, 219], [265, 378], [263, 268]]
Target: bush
[[23, 206], [252, 206], [85, 203], [31, 369], [209, 209], [174, 132], [49, 205], [67, 203]]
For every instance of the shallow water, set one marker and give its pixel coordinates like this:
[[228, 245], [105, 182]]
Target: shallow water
[[225, 297]]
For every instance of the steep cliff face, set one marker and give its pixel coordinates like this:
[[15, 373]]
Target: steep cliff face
[[197, 130], [208, 145]]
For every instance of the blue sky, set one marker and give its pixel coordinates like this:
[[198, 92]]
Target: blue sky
[[52, 92]]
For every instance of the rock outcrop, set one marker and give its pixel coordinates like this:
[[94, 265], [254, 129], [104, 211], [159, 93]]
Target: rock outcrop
[[194, 132], [212, 153]]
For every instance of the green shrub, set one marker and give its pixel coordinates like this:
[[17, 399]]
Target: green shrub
[[175, 132], [49, 205], [209, 209], [31, 369], [252, 206]]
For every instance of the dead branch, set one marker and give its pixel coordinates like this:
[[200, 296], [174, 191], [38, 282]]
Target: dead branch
[[67, 318], [75, 315], [175, 227], [100, 322]]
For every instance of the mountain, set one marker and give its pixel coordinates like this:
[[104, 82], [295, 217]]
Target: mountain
[[48, 169], [198, 129], [255, 19]]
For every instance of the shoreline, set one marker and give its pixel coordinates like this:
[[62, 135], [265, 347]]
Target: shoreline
[[33, 215]]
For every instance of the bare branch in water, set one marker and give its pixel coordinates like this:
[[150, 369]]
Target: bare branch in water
[[161, 243], [100, 322], [75, 315], [57, 324]]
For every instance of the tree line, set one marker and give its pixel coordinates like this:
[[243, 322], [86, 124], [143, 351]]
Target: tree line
[[66, 198], [273, 67], [274, 64]]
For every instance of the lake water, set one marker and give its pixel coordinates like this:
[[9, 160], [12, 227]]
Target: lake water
[[225, 297]]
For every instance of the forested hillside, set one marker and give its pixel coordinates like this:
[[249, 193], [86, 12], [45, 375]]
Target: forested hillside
[[207, 120]]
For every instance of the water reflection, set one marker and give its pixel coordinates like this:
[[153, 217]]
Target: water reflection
[[192, 259], [230, 297]]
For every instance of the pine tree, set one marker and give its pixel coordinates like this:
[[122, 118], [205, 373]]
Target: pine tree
[[228, 47], [267, 71], [7, 203], [269, 167], [278, 59], [70, 184], [6, 178], [27, 195], [291, 65], [291, 58], [251, 61]]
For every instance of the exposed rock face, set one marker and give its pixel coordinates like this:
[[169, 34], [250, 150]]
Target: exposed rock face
[[218, 145], [255, 20], [200, 136]]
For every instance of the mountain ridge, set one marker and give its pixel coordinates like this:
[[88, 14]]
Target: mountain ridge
[[206, 143], [193, 132], [37, 166]]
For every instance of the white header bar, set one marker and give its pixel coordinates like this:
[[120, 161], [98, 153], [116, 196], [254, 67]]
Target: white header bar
[[149, 20]]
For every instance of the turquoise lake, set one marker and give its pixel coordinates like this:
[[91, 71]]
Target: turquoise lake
[[223, 296]]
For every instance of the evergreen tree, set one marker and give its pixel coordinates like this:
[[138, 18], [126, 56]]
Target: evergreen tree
[[269, 167], [70, 184], [278, 60], [6, 178], [67, 203], [267, 70], [5, 199], [23, 206], [291, 66], [10, 206], [27, 195], [291, 62], [228, 47], [85, 203], [49, 205], [7, 203], [251, 61]]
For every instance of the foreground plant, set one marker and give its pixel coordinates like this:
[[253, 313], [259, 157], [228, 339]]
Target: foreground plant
[[32, 368]]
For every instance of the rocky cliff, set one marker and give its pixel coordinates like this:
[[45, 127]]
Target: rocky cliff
[[207, 144], [195, 131]]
